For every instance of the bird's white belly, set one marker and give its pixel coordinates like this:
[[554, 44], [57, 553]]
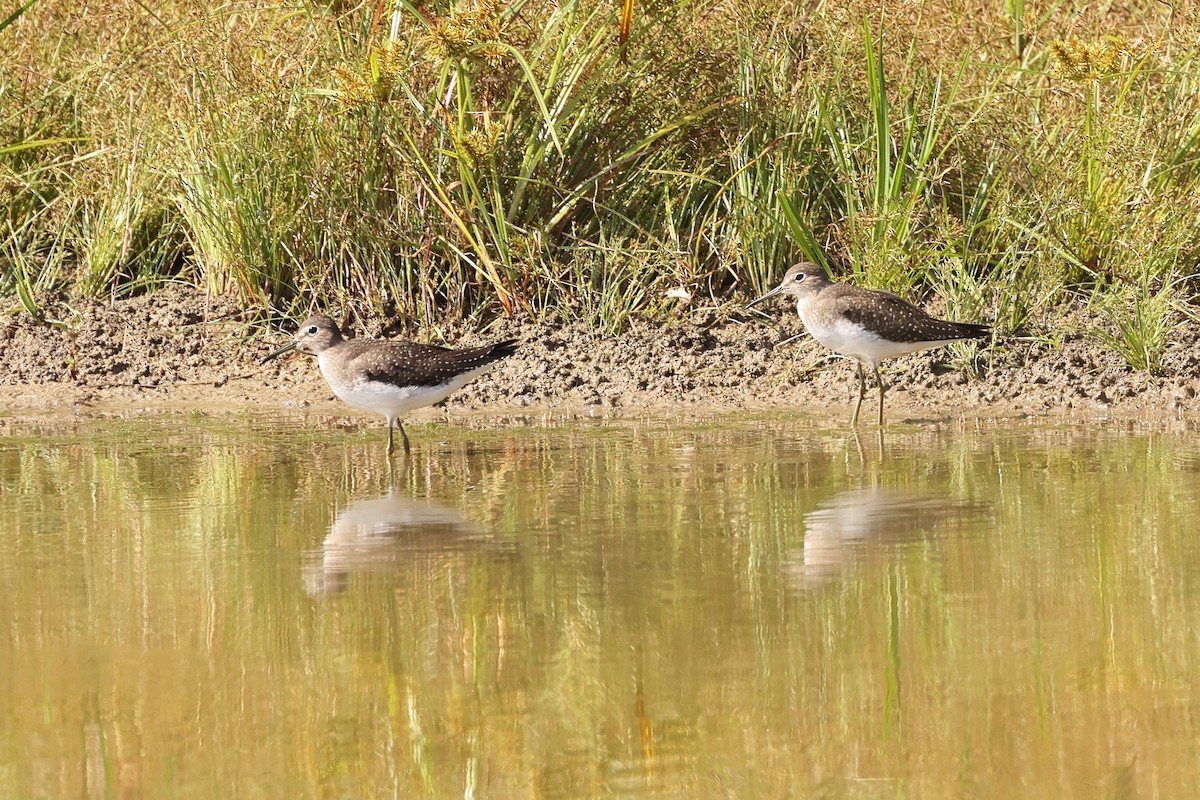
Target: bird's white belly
[[391, 400], [849, 339]]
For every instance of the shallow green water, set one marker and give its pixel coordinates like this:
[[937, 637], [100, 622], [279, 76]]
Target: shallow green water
[[198, 607]]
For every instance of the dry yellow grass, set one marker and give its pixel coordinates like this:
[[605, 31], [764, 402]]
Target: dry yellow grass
[[472, 156]]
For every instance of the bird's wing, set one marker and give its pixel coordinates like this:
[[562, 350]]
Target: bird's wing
[[416, 364], [904, 322]]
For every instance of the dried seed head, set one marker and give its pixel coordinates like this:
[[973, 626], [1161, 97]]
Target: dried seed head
[[1077, 60]]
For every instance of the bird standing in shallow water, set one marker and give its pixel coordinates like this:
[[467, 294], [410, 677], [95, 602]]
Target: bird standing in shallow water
[[867, 325], [390, 377]]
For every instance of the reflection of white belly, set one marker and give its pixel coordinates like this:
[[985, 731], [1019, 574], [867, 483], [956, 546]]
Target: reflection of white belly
[[393, 401]]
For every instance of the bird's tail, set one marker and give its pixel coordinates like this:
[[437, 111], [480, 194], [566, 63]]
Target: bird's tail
[[502, 349], [973, 330]]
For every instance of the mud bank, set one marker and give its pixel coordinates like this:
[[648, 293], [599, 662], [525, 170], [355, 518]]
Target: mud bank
[[179, 347]]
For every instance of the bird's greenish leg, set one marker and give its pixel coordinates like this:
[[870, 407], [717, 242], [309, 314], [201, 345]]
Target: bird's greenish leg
[[404, 438], [882, 389], [862, 390]]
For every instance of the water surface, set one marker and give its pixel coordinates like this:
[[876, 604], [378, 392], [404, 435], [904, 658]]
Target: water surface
[[244, 607]]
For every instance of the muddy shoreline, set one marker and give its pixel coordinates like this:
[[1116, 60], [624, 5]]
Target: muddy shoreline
[[178, 348]]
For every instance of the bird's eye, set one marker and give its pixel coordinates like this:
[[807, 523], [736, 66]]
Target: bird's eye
[[311, 331], [799, 277]]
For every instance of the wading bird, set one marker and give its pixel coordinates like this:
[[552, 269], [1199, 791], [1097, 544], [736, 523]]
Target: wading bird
[[866, 325], [390, 377]]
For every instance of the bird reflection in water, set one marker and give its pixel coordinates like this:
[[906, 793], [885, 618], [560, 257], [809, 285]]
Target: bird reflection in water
[[860, 524], [389, 534]]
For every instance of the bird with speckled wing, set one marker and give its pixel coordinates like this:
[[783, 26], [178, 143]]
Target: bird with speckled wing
[[391, 377], [867, 325]]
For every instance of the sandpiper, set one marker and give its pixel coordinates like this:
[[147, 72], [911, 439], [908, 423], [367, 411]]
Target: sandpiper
[[866, 325], [391, 377]]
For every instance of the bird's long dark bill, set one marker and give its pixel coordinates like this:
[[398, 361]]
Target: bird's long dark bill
[[766, 296], [279, 352]]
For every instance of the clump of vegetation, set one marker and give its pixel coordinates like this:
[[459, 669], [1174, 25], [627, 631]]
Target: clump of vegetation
[[473, 157]]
